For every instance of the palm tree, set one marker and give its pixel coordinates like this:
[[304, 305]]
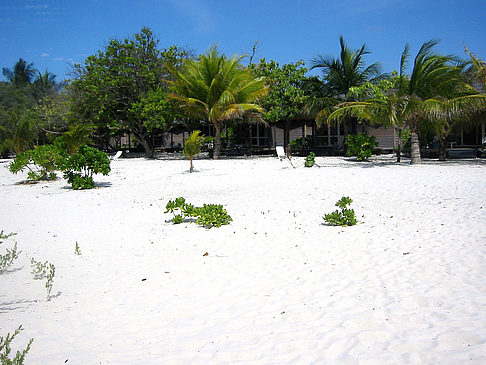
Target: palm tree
[[339, 75], [478, 69], [415, 100], [45, 84], [447, 113], [217, 89], [21, 75]]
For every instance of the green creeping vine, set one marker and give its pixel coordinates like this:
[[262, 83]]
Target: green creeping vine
[[209, 215], [345, 217]]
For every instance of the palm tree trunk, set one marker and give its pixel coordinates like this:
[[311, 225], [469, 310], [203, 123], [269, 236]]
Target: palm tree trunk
[[192, 167], [442, 149], [399, 149], [217, 141], [415, 146]]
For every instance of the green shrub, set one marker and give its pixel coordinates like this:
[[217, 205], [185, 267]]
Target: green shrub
[[344, 217], [41, 162], [360, 145], [80, 167], [209, 215], [212, 215], [310, 160], [5, 349]]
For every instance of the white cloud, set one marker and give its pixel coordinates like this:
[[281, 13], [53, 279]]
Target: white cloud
[[45, 55]]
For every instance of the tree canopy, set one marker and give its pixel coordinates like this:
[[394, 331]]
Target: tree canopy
[[216, 89], [123, 87]]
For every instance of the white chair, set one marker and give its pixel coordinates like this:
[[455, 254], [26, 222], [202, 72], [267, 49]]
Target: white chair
[[116, 156], [282, 155], [280, 152]]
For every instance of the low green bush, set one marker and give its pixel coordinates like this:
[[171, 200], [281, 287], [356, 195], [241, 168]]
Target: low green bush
[[343, 217], [80, 167], [41, 162], [209, 215], [360, 145], [310, 160], [212, 215]]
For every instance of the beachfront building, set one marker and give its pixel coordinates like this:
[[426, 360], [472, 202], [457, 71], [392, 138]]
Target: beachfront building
[[304, 135]]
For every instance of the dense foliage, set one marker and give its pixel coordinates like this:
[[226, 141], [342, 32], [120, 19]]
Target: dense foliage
[[80, 167], [360, 145], [132, 86], [217, 89], [124, 87], [41, 162]]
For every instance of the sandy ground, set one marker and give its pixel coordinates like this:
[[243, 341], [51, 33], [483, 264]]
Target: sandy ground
[[407, 285]]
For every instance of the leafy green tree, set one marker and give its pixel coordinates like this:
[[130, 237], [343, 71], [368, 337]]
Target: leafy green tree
[[217, 89], [123, 87], [339, 75], [286, 98]]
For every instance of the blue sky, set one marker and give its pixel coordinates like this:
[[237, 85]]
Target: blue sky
[[55, 33]]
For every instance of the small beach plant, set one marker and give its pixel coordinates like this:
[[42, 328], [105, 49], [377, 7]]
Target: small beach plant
[[310, 160], [7, 259], [209, 215], [41, 162], [180, 209], [80, 167], [44, 270], [5, 349], [360, 145], [192, 146], [77, 250], [343, 217], [212, 215]]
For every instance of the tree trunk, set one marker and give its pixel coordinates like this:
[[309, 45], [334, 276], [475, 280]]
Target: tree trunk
[[192, 167], [147, 146], [399, 149], [217, 141], [287, 138], [442, 149], [415, 146]]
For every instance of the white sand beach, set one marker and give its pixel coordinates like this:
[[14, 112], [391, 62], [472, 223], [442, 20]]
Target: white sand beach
[[406, 285]]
